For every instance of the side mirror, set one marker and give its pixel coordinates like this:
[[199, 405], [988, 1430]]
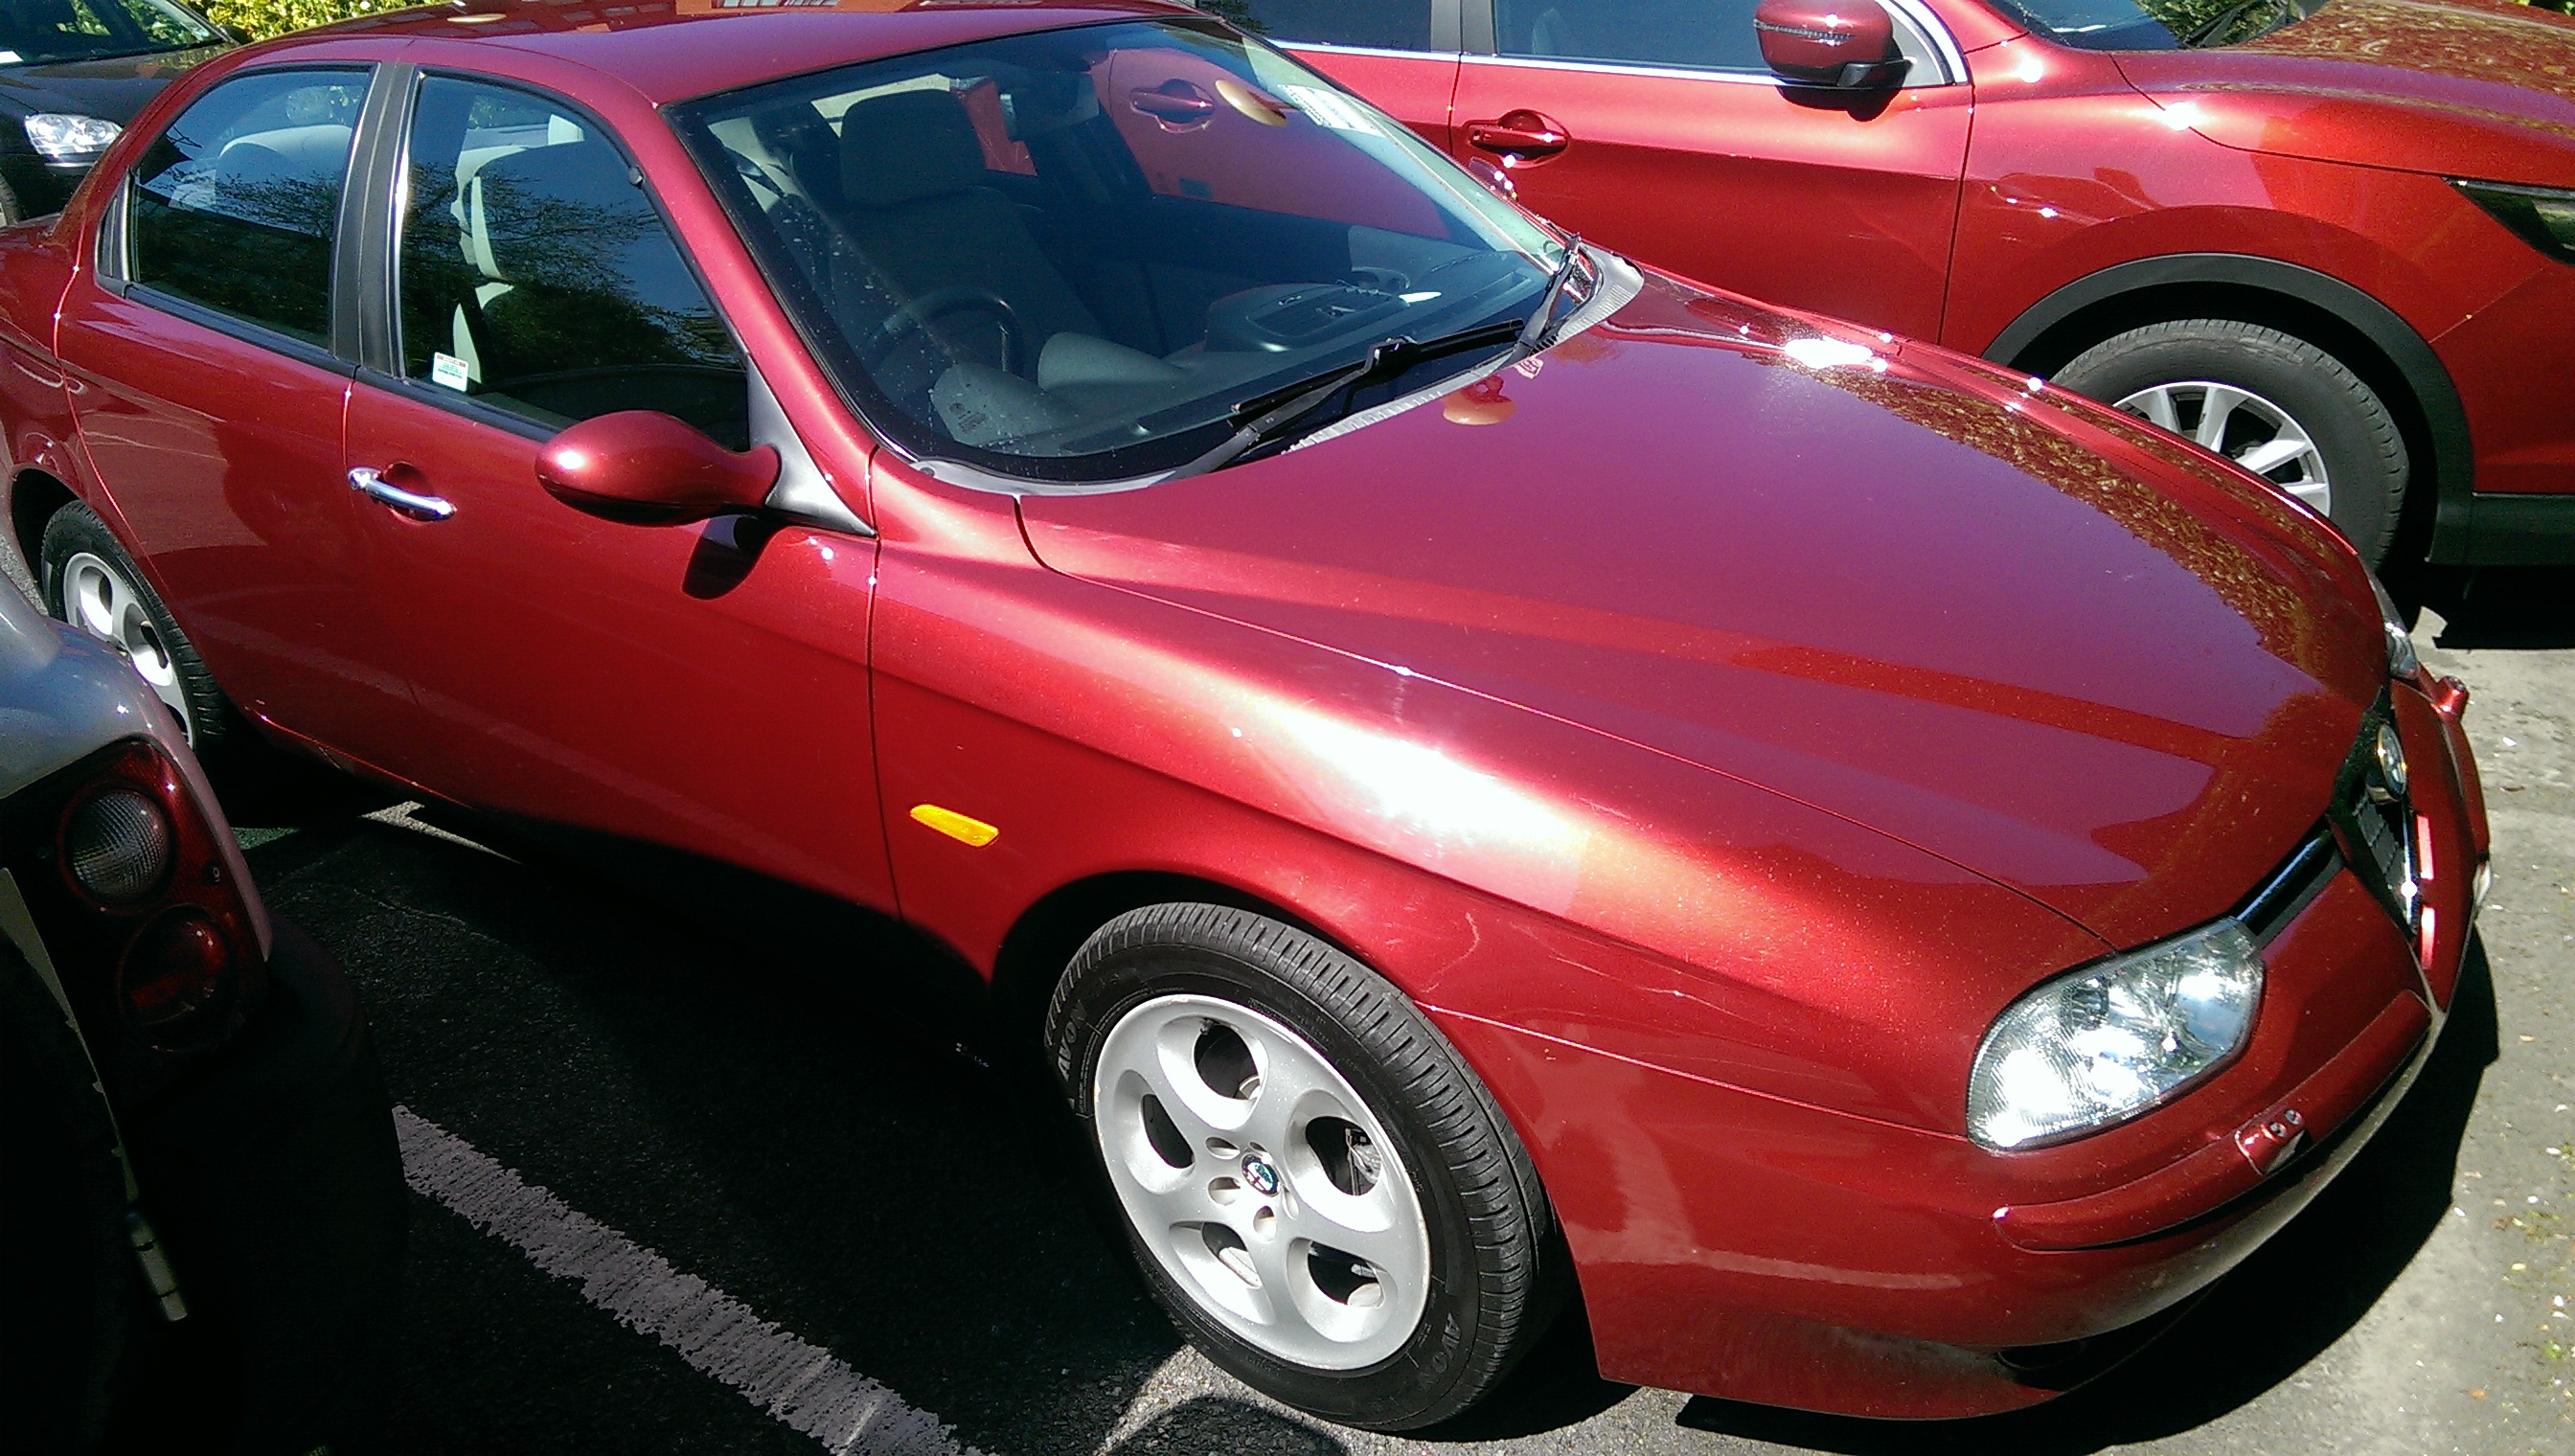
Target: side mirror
[[1848, 45], [647, 469]]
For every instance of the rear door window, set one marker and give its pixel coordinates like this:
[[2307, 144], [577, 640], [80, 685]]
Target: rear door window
[[1389, 25], [237, 206], [537, 277]]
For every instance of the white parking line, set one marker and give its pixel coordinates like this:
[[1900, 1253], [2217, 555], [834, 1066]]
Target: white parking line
[[802, 1385]]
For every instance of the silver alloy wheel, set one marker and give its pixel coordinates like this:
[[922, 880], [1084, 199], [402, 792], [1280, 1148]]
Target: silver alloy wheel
[[2245, 428], [1261, 1183], [99, 600]]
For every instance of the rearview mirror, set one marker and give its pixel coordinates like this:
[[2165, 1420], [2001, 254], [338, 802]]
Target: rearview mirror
[[1848, 45], [646, 468]]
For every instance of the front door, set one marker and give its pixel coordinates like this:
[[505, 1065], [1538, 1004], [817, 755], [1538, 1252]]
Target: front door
[[700, 688], [208, 395], [1652, 127]]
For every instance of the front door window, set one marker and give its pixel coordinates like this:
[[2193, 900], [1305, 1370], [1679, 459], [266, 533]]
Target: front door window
[[538, 279]]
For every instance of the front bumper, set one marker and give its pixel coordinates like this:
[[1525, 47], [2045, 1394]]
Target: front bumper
[[1746, 1247], [275, 1182]]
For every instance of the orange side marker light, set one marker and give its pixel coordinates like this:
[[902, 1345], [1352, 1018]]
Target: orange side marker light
[[963, 828]]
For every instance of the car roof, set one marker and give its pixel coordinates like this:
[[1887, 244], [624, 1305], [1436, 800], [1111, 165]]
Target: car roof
[[670, 50]]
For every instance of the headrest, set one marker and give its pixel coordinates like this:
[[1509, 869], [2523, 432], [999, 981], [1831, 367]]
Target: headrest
[[908, 146], [518, 207]]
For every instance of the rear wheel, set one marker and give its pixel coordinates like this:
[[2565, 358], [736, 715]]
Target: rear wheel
[[1317, 1189], [90, 582], [2271, 401]]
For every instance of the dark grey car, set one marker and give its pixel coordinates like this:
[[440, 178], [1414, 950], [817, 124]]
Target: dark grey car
[[201, 1202]]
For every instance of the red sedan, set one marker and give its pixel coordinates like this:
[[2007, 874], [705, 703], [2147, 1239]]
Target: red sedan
[[2335, 241], [1490, 776]]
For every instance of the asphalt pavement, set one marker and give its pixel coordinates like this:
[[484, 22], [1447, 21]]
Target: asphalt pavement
[[647, 1089]]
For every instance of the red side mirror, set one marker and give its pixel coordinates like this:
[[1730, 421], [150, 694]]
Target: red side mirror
[[1848, 45], [649, 469]]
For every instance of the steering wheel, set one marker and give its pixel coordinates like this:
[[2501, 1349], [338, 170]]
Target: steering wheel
[[960, 298]]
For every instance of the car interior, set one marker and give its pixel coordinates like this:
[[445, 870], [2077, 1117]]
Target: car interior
[[1065, 255]]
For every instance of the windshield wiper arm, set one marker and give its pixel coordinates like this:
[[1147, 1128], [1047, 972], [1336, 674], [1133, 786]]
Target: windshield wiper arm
[[1266, 417], [1538, 333]]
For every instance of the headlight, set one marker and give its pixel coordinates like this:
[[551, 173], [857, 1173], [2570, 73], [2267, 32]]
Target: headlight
[[2543, 216], [2401, 661], [69, 138], [2103, 1044]]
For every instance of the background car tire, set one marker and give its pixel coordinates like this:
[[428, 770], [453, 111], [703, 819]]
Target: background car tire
[[70, 1285], [77, 544], [2354, 438], [10, 212], [1495, 1279]]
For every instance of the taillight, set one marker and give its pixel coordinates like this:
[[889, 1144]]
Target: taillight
[[128, 880]]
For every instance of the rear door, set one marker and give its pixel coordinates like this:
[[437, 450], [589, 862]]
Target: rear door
[[205, 379], [1399, 54], [1653, 127], [700, 688]]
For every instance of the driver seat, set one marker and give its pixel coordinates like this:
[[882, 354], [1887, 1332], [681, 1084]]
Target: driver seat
[[917, 211]]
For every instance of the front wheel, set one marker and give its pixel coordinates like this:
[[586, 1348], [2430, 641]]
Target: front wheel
[[1318, 1190], [2271, 401]]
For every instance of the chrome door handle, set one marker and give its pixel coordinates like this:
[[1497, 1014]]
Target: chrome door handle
[[368, 482]]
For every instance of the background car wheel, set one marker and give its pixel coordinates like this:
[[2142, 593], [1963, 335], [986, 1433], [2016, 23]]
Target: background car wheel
[[2271, 401], [1318, 1190], [90, 582], [10, 212]]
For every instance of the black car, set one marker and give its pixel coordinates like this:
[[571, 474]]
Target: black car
[[72, 73], [202, 1205]]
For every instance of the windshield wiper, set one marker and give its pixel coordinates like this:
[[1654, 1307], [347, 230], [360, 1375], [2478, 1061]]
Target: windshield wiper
[[1269, 418], [1537, 334], [2224, 22], [1265, 419]]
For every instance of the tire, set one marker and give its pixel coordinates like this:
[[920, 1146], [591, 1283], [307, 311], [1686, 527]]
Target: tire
[[70, 1282], [2311, 426], [1376, 1251], [89, 582]]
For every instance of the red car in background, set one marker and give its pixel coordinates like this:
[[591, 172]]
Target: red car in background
[[1488, 775], [2332, 239]]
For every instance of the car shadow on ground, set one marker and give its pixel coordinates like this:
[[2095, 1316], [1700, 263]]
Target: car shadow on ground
[[2280, 1309], [2525, 607], [758, 1119]]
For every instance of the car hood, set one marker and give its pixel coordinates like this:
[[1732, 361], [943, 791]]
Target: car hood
[[2462, 88], [2008, 627], [113, 89]]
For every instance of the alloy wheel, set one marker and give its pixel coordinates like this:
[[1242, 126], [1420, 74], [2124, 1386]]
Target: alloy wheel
[[99, 600], [2245, 428], [1260, 1181]]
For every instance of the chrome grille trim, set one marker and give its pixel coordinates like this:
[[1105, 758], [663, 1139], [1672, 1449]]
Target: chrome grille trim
[[2376, 826]]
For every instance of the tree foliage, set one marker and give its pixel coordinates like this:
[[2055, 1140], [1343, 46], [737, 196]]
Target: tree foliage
[[261, 19]]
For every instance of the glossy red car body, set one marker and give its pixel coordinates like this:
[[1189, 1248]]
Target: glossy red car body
[[1712, 743], [2040, 197]]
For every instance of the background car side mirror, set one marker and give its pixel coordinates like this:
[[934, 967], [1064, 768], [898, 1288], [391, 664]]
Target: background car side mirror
[[1848, 45], [646, 468]]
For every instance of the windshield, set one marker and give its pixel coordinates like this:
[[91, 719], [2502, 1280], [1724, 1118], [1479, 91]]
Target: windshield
[[1077, 255], [33, 32], [2157, 25]]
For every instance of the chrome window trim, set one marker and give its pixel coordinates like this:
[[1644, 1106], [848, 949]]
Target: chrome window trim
[[1342, 50], [1954, 61]]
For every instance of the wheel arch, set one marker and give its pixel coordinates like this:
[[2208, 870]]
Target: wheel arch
[[2343, 321], [34, 495], [1040, 944]]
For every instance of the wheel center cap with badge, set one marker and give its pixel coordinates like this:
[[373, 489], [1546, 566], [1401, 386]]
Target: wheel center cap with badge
[[1261, 1173]]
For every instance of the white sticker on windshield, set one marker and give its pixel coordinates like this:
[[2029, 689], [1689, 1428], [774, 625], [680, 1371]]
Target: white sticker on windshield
[[448, 370], [1331, 109], [8, 58]]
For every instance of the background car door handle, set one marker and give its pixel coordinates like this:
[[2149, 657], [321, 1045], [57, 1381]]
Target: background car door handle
[[368, 482], [1527, 134]]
